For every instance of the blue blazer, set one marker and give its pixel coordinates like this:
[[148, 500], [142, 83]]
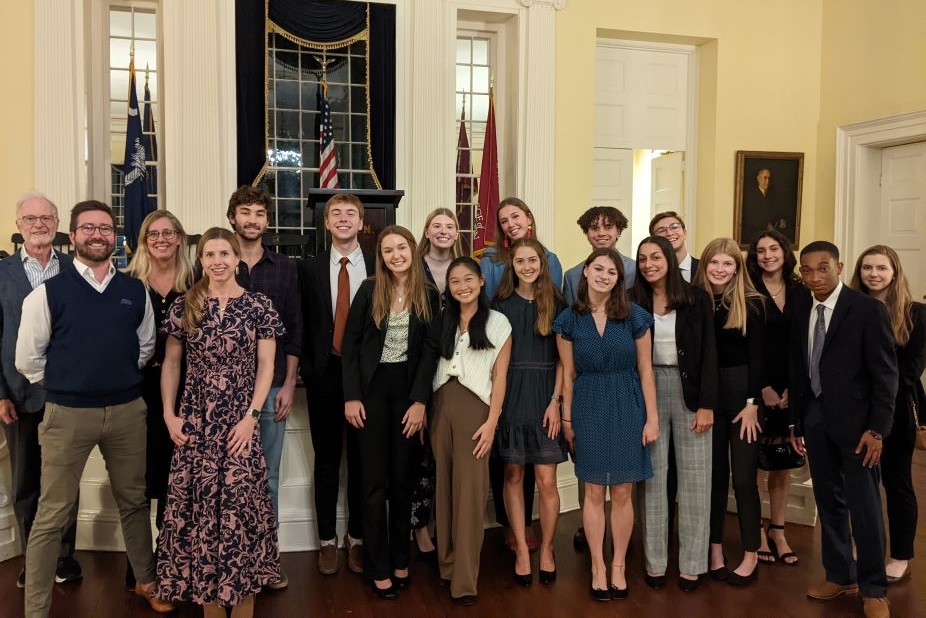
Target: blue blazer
[[571, 284], [493, 271], [14, 287]]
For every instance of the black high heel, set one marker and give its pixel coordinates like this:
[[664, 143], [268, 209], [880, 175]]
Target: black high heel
[[548, 577], [615, 592], [524, 580], [600, 595]]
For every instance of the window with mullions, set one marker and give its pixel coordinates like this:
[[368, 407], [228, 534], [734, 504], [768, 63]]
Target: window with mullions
[[472, 105], [132, 28], [293, 75]]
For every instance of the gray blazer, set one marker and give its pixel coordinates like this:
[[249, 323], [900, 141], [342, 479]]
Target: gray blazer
[[14, 287], [571, 279]]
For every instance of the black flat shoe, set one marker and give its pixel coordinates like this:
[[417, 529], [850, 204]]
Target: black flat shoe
[[600, 595], [384, 593], [466, 600], [655, 581], [689, 585], [547, 577], [618, 593], [524, 580], [741, 581], [402, 582]]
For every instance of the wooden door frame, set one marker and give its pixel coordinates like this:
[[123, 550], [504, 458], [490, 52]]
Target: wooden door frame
[[858, 170]]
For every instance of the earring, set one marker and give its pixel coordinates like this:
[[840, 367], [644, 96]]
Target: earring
[[236, 269]]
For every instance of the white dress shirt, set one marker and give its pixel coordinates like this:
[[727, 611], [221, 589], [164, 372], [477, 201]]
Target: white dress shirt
[[829, 304], [35, 327], [35, 272], [685, 267], [356, 272]]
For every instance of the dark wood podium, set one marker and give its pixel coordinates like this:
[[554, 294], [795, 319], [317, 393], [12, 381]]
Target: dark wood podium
[[379, 208]]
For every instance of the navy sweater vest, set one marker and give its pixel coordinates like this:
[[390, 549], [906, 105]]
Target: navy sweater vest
[[92, 355]]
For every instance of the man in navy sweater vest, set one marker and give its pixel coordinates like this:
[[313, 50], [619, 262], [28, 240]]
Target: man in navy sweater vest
[[87, 333]]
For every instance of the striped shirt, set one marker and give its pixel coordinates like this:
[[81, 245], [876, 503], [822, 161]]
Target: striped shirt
[[37, 273]]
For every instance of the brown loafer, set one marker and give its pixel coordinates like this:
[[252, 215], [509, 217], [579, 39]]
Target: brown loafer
[[876, 607], [328, 559], [147, 591], [354, 555], [824, 591]]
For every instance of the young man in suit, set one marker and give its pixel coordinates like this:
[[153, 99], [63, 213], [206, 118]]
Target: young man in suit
[[22, 405], [328, 283], [843, 381], [669, 225]]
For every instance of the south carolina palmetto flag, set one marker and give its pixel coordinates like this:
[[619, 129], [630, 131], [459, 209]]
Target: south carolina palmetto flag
[[135, 195]]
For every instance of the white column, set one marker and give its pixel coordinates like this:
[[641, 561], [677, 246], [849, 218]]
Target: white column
[[198, 95], [538, 111], [60, 108]]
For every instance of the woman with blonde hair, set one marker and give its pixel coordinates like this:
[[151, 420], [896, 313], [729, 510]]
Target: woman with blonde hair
[[389, 355], [439, 245], [879, 273], [162, 263], [739, 325], [218, 546]]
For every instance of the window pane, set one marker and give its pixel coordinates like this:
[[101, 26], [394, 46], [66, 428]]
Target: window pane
[[480, 51], [309, 125], [339, 72], [358, 157], [120, 22], [480, 107], [119, 84], [289, 213], [309, 154], [358, 128], [288, 184], [338, 123], [287, 125], [286, 65], [337, 98], [287, 95], [463, 84], [358, 103], [463, 51], [119, 53], [146, 54], [146, 24], [481, 79]]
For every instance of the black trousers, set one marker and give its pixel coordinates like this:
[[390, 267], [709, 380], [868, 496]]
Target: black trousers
[[497, 482], [897, 478], [386, 469], [730, 451], [846, 491], [22, 438], [327, 423]]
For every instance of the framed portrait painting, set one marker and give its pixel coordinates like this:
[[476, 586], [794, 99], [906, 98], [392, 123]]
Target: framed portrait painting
[[767, 194]]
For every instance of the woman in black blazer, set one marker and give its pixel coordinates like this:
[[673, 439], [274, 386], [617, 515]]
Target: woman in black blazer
[[879, 273], [685, 365], [390, 351]]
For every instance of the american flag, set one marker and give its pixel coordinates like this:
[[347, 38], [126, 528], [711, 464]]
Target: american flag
[[328, 162]]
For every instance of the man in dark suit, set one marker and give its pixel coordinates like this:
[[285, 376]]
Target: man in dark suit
[[843, 380], [669, 225], [22, 405], [763, 209], [328, 283]]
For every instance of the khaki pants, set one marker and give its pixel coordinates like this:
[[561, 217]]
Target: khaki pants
[[462, 485], [67, 436]]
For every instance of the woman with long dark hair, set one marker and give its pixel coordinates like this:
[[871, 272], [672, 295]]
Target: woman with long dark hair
[[770, 263], [469, 389], [685, 367], [389, 356], [879, 273]]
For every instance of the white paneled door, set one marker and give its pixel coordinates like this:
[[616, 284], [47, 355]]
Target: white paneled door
[[901, 221]]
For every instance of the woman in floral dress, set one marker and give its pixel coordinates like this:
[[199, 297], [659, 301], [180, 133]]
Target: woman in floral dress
[[218, 545]]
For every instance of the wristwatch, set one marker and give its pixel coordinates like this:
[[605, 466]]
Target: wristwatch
[[254, 413], [751, 401], [874, 434]]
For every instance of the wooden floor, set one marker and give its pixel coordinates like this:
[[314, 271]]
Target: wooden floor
[[779, 591]]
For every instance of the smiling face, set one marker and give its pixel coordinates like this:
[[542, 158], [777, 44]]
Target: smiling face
[[343, 222], [820, 272], [720, 271], [160, 247], [673, 230], [602, 234], [769, 255], [250, 221], [442, 232], [514, 222], [464, 284], [396, 253], [219, 260], [527, 265], [652, 263], [601, 274], [37, 221], [96, 247], [876, 273]]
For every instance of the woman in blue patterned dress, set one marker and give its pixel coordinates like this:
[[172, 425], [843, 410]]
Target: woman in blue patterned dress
[[218, 544], [609, 407]]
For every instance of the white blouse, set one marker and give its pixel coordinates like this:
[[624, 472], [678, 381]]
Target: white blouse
[[665, 351], [473, 368]]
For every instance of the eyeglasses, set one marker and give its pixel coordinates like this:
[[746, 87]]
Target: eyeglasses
[[87, 229], [662, 231], [31, 220], [155, 234]]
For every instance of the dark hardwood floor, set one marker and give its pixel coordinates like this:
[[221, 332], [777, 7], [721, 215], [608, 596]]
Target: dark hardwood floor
[[779, 591]]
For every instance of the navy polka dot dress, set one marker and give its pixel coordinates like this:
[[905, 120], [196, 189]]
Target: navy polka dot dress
[[607, 404]]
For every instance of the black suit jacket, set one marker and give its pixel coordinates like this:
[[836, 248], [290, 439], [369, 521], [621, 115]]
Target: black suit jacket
[[858, 369], [694, 268], [363, 346], [317, 317]]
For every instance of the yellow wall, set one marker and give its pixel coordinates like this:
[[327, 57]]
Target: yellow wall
[[873, 66], [759, 91], [17, 116]]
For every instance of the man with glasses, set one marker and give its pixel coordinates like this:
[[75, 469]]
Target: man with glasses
[[22, 405], [670, 226], [85, 335]]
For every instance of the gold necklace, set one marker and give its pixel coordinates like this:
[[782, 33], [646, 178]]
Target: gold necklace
[[780, 290]]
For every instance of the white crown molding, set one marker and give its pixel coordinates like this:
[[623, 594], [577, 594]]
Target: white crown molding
[[558, 5]]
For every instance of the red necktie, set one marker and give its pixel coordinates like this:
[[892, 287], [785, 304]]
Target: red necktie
[[342, 306]]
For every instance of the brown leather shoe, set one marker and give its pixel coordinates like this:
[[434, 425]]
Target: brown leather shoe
[[824, 591], [328, 559], [876, 607], [354, 555], [147, 591]]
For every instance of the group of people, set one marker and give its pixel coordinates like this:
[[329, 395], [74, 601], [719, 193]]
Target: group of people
[[445, 377]]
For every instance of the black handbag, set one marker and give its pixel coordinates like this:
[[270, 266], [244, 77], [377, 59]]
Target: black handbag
[[777, 454]]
